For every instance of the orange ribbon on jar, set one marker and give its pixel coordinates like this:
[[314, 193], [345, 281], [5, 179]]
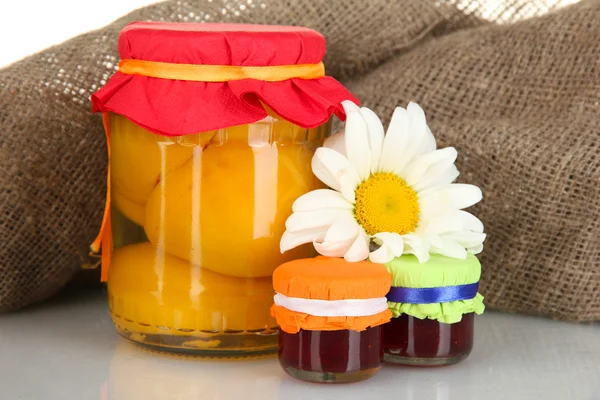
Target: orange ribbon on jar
[[220, 73], [104, 239]]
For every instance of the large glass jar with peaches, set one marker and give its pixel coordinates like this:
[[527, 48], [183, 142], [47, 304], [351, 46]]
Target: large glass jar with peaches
[[211, 131]]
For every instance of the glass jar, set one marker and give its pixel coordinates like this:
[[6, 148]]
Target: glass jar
[[433, 305], [330, 313], [426, 342], [193, 229], [331, 356], [173, 281]]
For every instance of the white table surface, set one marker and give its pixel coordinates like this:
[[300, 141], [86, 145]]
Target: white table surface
[[34, 25], [67, 349]]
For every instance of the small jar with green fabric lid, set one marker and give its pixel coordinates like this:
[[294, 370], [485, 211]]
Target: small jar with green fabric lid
[[433, 306]]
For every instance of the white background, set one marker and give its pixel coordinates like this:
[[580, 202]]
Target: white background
[[27, 27]]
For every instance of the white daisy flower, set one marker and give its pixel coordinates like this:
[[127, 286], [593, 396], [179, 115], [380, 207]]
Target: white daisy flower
[[391, 193]]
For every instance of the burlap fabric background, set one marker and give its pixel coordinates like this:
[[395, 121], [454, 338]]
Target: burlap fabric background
[[519, 100]]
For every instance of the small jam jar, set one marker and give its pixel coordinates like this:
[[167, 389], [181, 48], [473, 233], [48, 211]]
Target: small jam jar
[[433, 305], [330, 313], [211, 131]]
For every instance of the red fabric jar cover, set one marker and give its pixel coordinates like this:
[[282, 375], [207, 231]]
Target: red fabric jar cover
[[176, 107]]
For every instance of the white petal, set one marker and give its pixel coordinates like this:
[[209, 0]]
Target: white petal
[[331, 167], [350, 106], [395, 142], [359, 250], [450, 248], [430, 165], [375, 129], [416, 133], [343, 229], [392, 240], [466, 239], [448, 197], [336, 142], [340, 236], [289, 240], [430, 140], [420, 139], [391, 245], [413, 244], [434, 240], [348, 189], [323, 218], [457, 220], [321, 198], [432, 180], [470, 222], [335, 249], [421, 136], [476, 249], [382, 255], [408, 136], [357, 140]]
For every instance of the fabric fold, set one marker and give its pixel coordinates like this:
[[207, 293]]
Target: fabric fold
[[193, 107], [293, 322]]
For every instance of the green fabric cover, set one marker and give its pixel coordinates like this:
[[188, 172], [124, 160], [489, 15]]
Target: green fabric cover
[[439, 271]]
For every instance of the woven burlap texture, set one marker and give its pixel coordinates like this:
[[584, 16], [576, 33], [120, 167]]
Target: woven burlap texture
[[519, 101]]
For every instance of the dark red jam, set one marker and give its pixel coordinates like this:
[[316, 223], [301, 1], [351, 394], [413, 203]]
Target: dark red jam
[[426, 342], [331, 356]]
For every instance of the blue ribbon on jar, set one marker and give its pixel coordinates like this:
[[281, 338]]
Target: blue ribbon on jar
[[441, 294]]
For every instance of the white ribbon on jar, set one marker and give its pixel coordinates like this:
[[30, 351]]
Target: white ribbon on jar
[[333, 308]]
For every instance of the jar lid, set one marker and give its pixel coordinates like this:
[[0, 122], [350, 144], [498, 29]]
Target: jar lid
[[164, 76], [442, 288], [221, 44], [326, 293]]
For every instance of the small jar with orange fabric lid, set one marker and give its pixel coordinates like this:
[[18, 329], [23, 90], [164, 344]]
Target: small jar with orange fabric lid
[[211, 130], [330, 314]]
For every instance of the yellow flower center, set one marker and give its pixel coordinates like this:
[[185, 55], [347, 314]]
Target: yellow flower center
[[385, 203]]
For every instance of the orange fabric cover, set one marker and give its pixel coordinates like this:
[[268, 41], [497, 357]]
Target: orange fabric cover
[[324, 278], [292, 322]]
